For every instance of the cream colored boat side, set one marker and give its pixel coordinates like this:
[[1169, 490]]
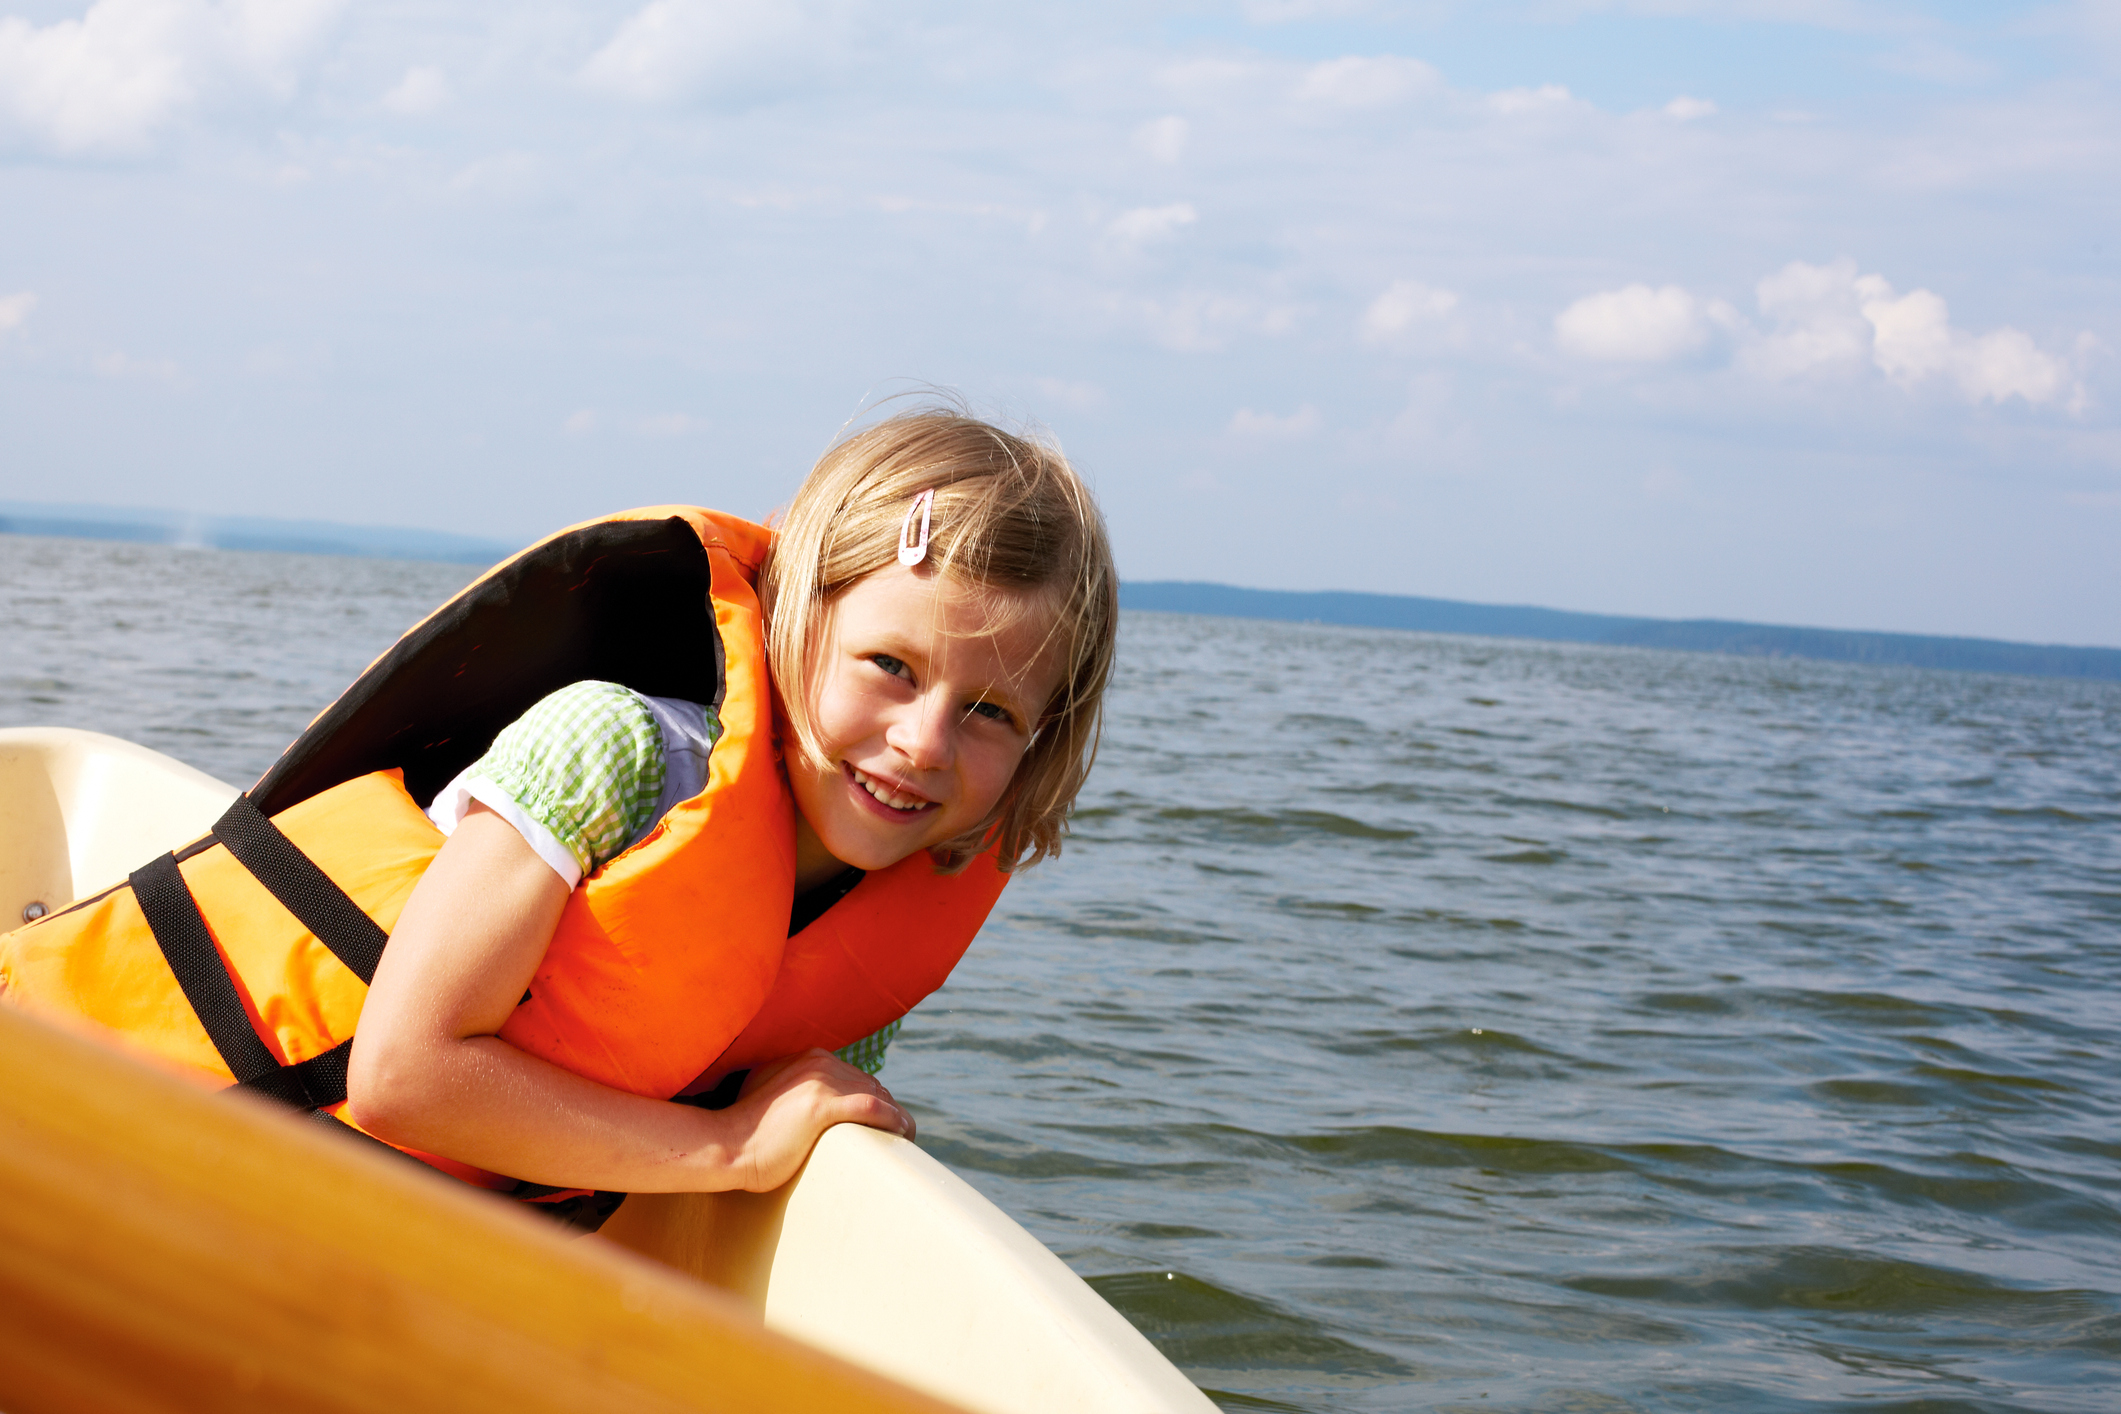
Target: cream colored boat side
[[80, 810], [884, 1257]]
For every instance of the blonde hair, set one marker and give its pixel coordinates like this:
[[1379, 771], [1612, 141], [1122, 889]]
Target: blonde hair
[[1009, 515]]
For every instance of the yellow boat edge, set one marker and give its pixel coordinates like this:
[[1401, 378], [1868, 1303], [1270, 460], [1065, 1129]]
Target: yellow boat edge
[[167, 1247]]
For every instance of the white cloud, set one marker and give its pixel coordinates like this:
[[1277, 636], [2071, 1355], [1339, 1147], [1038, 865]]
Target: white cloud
[[2006, 363], [1823, 321], [1404, 306], [1163, 138], [1145, 224], [580, 422], [1686, 110], [676, 49], [423, 90], [1911, 337], [1914, 340], [1636, 324], [1357, 82], [1529, 100], [103, 82], [112, 80], [14, 309], [1829, 318], [269, 39], [1248, 423], [1817, 321]]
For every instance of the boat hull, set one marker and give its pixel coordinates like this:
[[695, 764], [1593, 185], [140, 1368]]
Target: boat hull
[[874, 1253]]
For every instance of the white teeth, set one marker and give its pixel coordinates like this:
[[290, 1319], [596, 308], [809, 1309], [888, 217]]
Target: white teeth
[[887, 795]]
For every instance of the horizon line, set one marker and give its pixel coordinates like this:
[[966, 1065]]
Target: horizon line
[[1349, 608]]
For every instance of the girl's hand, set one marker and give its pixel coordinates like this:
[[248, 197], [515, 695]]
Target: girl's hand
[[788, 1103]]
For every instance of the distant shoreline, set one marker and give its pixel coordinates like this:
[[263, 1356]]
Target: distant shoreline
[[296, 537], [1395, 611], [1352, 610]]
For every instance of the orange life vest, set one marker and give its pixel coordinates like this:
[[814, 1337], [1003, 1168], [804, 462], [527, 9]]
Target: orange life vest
[[245, 956]]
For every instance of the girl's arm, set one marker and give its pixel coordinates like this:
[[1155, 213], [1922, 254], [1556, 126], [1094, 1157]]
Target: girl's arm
[[430, 1073]]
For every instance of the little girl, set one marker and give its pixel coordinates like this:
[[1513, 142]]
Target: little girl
[[654, 818]]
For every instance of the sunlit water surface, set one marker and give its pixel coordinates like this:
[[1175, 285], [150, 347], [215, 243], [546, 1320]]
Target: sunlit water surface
[[1441, 1023]]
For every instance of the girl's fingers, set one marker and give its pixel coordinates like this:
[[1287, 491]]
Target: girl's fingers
[[880, 1111], [905, 1116], [795, 1099], [876, 1109]]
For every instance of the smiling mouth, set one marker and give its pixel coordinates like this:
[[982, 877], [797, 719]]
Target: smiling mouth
[[888, 795]]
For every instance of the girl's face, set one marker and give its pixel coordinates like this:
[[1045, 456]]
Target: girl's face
[[922, 713]]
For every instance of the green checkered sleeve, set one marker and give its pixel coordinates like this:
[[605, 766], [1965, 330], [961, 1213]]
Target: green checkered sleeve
[[587, 763], [867, 1054]]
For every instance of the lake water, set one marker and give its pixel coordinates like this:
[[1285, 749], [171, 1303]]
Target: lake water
[[1428, 1023]]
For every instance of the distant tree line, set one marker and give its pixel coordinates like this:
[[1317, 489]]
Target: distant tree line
[[1985, 655]]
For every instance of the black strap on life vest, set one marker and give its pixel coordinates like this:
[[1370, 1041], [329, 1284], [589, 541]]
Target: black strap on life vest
[[187, 946], [354, 938], [302, 888]]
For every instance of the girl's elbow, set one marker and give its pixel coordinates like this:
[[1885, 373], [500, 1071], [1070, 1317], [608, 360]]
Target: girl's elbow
[[384, 1094]]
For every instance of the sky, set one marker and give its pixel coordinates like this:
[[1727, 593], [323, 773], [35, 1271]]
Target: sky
[[1798, 313]]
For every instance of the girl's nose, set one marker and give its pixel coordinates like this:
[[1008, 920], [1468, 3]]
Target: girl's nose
[[924, 733]]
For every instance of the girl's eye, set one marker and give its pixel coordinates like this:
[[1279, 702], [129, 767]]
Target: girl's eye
[[992, 711], [890, 665]]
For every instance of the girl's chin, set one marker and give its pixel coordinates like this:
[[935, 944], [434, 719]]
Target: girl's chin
[[861, 849], [863, 832]]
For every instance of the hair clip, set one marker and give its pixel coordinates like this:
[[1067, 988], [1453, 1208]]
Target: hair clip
[[911, 551]]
